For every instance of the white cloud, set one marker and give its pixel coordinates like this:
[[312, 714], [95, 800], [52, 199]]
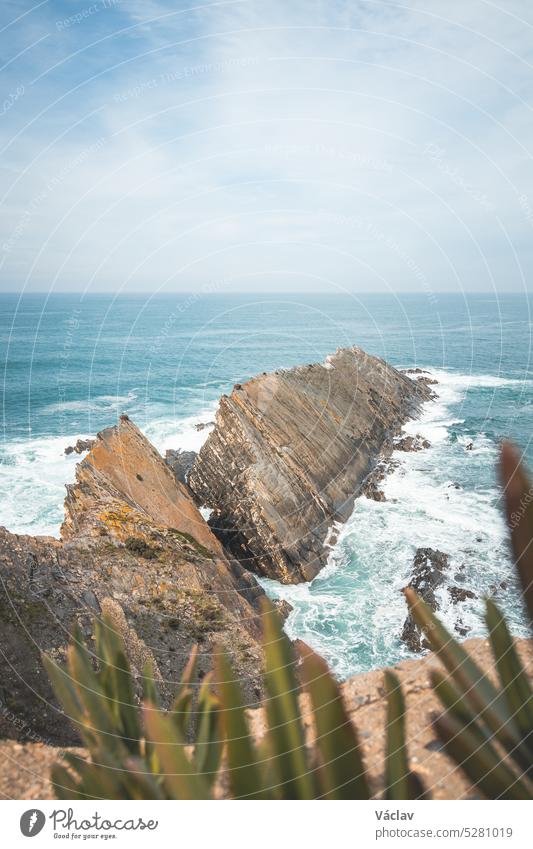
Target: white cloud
[[357, 145]]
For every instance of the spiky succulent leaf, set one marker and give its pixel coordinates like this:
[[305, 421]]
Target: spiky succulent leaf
[[515, 683], [243, 772], [341, 772], [518, 494], [472, 683], [178, 773], [473, 752], [285, 727], [400, 781]]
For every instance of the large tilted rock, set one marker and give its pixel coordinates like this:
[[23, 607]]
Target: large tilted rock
[[291, 450], [133, 546]]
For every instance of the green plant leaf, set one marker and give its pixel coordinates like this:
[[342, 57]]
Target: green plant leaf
[[285, 726], [341, 772], [518, 494], [64, 688], [208, 744], [473, 684], [515, 683], [243, 773], [471, 750], [64, 783], [179, 775], [181, 711], [400, 781]]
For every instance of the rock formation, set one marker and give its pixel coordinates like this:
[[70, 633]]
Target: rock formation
[[80, 446], [411, 443], [181, 463], [291, 450], [430, 572], [429, 566], [134, 546]]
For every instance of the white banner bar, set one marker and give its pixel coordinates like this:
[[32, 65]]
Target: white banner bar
[[251, 825]]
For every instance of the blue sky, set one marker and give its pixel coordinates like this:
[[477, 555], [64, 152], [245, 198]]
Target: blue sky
[[242, 145]]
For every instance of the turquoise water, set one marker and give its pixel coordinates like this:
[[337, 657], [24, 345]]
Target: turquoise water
[[73, 364]]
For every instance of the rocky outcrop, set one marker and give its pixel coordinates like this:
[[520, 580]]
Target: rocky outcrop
[[411, 443], [430, 572], [80, 446], [291, 450], [181, 462], [429, 567], [133, 546]]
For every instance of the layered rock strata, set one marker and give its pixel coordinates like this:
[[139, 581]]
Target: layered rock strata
[[292, 449]]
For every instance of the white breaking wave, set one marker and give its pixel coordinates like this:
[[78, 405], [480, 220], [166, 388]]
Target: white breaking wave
[[98, 404]]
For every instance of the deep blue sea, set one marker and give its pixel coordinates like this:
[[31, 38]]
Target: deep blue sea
[[72, 364]]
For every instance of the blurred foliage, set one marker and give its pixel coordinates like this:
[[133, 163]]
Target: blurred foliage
[[138, 750]]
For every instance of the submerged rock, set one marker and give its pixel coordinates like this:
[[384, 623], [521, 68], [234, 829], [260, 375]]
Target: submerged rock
[[460, 594], [429, 566], [291, 450]]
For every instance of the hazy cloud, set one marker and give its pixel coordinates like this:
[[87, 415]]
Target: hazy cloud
[[314, 145]]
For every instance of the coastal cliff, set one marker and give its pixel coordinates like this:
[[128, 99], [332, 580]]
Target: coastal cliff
[[133, 546], [292, 449]]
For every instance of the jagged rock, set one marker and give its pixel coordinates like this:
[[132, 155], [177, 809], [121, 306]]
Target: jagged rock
[[461, 628], [370, 487], [202, 425], [283, 607], [411, 443], [460, 594], [80, 446], [290, 451], [181, 463], [428, 567], [470, 446], [135, 546]]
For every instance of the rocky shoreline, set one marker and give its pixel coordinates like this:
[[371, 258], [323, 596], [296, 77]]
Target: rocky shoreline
[[288, 454]]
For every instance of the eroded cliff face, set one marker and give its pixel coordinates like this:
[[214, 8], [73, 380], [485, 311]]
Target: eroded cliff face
[[135, 547], [291, 450]]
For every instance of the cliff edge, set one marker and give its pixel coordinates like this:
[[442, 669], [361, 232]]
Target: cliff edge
[[135, 547]]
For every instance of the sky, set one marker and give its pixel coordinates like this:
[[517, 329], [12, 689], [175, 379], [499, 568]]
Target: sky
[[288, 145]]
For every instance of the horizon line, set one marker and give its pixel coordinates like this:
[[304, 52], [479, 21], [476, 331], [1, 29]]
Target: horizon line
[[199, 295]]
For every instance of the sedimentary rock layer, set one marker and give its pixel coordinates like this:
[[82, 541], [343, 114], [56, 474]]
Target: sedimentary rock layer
[[135, 547], [291, 450]]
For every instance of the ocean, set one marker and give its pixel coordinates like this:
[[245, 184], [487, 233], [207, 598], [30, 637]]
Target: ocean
[[73, 363]]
